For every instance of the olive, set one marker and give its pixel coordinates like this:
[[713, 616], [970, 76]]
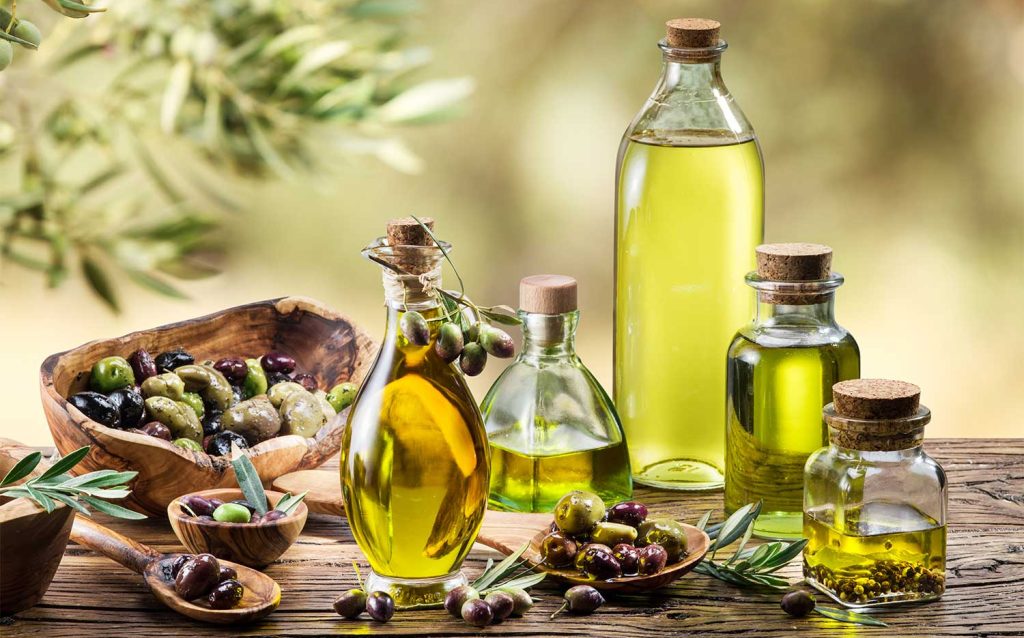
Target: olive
[[578, 511], [233, 369], [612, 534], [630, 513], [210, 384], [581, 599], [197, 577], [350, 604], [96, 407], [273, 515], [178, 417], [457, 597], [307, 381], [173, 359], [798, 603], [110, 373], [187, 444], [277, 362], [598, 561], [194, 401], [628, 556], [415, 328], [255, 382], [473, 359], [651, 559], [342, 395], [449, 342], [6, 54], [211, 422], [273, 378], [255, 419], [130, 406], [501, 604], [178, 562], [380, 606], [523, 602], [665, 532], [226, 594], [156, 429], [232, 513], [200, 506], [227, 573], [167, 385], [325, 405], [477, 613], [281, 391], [557, 550], [220, 443], [28, 32], [142, 365], [496, 342], [302, 414]]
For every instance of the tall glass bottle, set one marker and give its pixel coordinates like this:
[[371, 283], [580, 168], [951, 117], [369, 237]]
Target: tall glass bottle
[[781, 369], [414, 463], [552, 428], [689, 212]]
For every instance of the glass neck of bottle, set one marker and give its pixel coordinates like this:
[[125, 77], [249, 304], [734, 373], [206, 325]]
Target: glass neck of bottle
[[771, 313], [693, 77], [549, 336], [412, 292], [879, 456]]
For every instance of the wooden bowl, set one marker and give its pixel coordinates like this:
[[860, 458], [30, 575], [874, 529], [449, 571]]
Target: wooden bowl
[[32, 542], [254, 545], [323, 342]]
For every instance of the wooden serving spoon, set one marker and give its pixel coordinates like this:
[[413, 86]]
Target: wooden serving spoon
[[262, 593], [506, 532]]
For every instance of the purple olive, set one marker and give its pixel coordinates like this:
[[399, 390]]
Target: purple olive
[[457, 597], [197, 577], [307, 381], [226, 594], [477, 613], [199, 505], [798, 603], [350, 604], [502, 604], [651, 559], [497, 342], [157, 429], [277, 362], [628, 556], [380, 606], [598, 561], [142, 365], [233, 369], [630, 513], [227, 573], [473, 359], [178, 562], [273, 515], [558, 550], [581, 599]]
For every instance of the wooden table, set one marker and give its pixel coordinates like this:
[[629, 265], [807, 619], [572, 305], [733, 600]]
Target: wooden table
[[91, 596]]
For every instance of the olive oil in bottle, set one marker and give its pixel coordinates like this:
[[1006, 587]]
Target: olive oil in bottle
[[414, 464], [780, 372], [690, 210]]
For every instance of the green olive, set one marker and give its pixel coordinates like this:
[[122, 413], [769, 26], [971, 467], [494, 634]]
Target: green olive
[[167, 385], [280, 391], [255, 419], [209, 383], [111, 373], [255, 382], [232, 513], [28, 32], [342, 395], [665, 532], [188, 444], [325, 405], [301, 414], [6, 54], [578, 511], [194, 401], [611, 534], [179, 418]]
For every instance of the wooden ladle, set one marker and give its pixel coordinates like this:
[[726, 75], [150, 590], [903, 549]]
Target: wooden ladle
[[506, 532], [262, 593]]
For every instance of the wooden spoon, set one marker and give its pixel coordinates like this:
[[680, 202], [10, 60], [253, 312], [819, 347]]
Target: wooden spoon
[[506, 532], [262, 594]]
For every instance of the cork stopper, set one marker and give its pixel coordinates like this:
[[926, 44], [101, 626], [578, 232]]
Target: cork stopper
[[794, 262], [547, 294], [411, 245], [876, 399], [405, 231], [692, 33], [876, 415]]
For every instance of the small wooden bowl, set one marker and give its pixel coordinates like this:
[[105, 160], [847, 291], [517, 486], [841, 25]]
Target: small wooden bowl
[[251, 544], [32, 542], [323, 342]]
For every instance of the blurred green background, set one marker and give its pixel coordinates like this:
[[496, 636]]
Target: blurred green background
[[891, 130]]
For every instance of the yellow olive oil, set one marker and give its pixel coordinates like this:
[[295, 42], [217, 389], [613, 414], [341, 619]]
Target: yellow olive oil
[[690, 213], [773, 411], [875, 554]]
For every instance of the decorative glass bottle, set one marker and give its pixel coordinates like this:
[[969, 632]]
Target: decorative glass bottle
[[874, 501], [689, 212], [414, 463], [780, 372], [551, 426]]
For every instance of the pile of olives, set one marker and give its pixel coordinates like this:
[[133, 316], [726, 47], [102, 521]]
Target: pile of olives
[[202, 576], [237, 511], [465, 602], [470, 347], [378, 605], [211, 405], [608, 543]]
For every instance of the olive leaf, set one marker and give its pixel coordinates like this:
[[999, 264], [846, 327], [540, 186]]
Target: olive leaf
[[249, 480], [847, 616], [510, 572], [22, 468], [289, 502]]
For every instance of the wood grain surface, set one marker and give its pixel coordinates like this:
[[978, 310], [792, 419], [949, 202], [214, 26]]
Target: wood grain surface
[[985, 580]]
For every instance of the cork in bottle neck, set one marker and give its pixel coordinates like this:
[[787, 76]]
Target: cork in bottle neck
[[692, 40], [411, 261], [794, 273], [876, 415]]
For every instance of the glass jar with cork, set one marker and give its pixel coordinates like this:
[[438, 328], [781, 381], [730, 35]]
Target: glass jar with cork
[[780, 371], [874, 501]]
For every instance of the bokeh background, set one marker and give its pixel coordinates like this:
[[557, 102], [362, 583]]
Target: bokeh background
[[891, 130]]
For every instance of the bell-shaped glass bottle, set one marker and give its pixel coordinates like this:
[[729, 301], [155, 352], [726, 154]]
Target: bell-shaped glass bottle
[[414, 461]]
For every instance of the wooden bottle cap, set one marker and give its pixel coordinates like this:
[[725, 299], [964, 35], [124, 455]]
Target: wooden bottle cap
[[875, 399], [692, 33], [547, 294], [404, 231], [794, 262]]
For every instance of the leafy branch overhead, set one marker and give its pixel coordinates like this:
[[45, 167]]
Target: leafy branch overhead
[[128, 181]]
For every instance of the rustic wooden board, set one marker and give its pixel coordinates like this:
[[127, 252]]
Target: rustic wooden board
[[92, 596]]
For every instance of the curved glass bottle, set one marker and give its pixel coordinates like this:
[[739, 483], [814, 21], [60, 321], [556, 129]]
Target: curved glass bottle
[[689, 212], [414, 463]]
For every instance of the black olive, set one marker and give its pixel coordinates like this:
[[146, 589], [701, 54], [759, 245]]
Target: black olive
[[273, 378], [277, 362], [142, 365], [220, 444], [168, 361], [233, 369], [197, 577], [380, 606], [97, 407], [307, 381], [178, 562], [130, 406], [244, 503], [211, 422], [798, 603], [226, 594], [227, 573], [350, 604]]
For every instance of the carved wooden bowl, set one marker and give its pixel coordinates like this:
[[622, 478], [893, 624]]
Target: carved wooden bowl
[[323, 342]]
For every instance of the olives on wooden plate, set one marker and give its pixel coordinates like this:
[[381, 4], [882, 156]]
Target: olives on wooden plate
[[578, 511], [203, 576], [226, 594]]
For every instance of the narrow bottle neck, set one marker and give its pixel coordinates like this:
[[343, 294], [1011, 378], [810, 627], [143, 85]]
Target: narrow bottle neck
[[549, 336], [915, 451], [771, 313], [411, 292], [693, 77]]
